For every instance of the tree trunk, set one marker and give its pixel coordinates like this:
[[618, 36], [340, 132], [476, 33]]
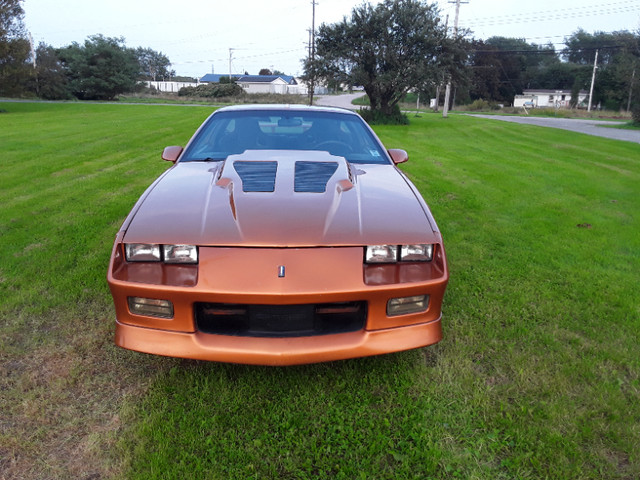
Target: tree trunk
[[437, 107]]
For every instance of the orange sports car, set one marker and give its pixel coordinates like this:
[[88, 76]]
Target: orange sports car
[[281, 235]]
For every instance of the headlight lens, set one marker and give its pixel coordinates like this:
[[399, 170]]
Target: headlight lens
[[180, 253], [152, 252], [416, 252], [142, 252], [381, 254]]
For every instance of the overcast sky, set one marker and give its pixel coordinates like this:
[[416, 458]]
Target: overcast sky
[[197, 35]]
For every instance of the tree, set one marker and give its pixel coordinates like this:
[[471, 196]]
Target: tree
[[15, 50], [153, 65], [50, 81], [618, 58], [504, 67], [388, 49], [267, 71], [100, 69]]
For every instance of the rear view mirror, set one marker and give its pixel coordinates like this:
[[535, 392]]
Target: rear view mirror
[[289, 122]]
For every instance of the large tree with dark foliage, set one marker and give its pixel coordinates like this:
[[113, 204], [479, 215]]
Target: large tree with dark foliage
[[14, 49], [388, 49], [618, 64], [100, 69], [50, 81], [503, 67]]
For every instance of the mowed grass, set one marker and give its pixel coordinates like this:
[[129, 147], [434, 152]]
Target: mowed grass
[[537, 375]]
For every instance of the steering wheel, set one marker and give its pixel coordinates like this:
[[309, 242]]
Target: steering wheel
[[334, 146]]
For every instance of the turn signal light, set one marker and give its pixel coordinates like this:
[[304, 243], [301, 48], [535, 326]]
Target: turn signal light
[[406, 305], [150, 307]]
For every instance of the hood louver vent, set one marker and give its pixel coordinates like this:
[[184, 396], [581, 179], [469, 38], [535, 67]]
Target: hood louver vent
[[257, 176], [313, 176]]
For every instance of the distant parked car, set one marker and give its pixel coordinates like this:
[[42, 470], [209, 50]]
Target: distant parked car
[[281, 235]]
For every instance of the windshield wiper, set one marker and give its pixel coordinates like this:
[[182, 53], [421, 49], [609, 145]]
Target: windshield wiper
[[208, 159]]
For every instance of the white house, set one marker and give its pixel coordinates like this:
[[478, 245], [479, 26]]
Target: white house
[[266, 83], [549, 98], [278, 84]]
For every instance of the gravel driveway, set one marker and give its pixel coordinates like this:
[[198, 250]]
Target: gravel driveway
[[590, 127]]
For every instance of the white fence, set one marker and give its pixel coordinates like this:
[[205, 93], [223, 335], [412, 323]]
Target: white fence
[[170, 87]]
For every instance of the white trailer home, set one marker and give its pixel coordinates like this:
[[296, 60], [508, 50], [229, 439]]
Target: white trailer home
[[549, 99]]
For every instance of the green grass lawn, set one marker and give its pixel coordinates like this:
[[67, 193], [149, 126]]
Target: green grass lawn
[[537, 375]]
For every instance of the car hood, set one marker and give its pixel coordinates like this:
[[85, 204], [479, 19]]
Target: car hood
[[329, 202]]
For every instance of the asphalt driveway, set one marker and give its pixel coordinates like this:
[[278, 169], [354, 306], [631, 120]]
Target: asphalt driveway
[[343, 101], [590, 127]]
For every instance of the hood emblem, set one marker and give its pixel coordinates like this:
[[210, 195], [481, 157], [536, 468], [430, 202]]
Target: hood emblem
[[281, 271]]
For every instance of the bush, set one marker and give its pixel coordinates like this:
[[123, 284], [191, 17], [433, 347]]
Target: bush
[[376, 117], [212, 90], [482, 106]]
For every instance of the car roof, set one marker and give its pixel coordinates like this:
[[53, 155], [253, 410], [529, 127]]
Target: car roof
[[278, 107]]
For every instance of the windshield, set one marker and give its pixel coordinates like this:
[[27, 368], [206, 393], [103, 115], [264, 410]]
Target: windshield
[[233, 132]]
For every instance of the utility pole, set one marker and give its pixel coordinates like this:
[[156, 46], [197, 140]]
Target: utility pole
[[593, 80], [633, 76], [230, 55], [312, 56], [447, 93]]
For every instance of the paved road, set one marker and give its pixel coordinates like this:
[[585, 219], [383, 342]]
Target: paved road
[[342, 101], [590, 127]]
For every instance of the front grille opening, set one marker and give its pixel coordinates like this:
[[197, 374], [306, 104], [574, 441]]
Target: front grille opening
[[280, 320]]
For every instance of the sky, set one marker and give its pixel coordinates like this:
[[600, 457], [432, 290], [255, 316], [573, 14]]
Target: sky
[[200, 36]]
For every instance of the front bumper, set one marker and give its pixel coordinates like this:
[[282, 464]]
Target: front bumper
[[277, 351], [251, 276]]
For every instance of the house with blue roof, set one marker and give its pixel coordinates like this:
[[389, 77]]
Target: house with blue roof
[[215, 77], [278, 84], [267, 83]]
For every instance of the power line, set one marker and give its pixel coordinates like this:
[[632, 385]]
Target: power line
[[560, 14], [497, 51]]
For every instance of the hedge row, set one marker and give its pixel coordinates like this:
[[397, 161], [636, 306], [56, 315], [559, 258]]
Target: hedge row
[[212, 90]]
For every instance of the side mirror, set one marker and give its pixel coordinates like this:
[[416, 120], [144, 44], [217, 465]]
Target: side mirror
[[398, 156], [171, 154]]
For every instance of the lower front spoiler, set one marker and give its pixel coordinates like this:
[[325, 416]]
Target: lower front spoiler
[[277, 351]]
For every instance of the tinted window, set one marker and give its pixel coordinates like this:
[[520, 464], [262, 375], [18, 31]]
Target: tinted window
[[233, 132]]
